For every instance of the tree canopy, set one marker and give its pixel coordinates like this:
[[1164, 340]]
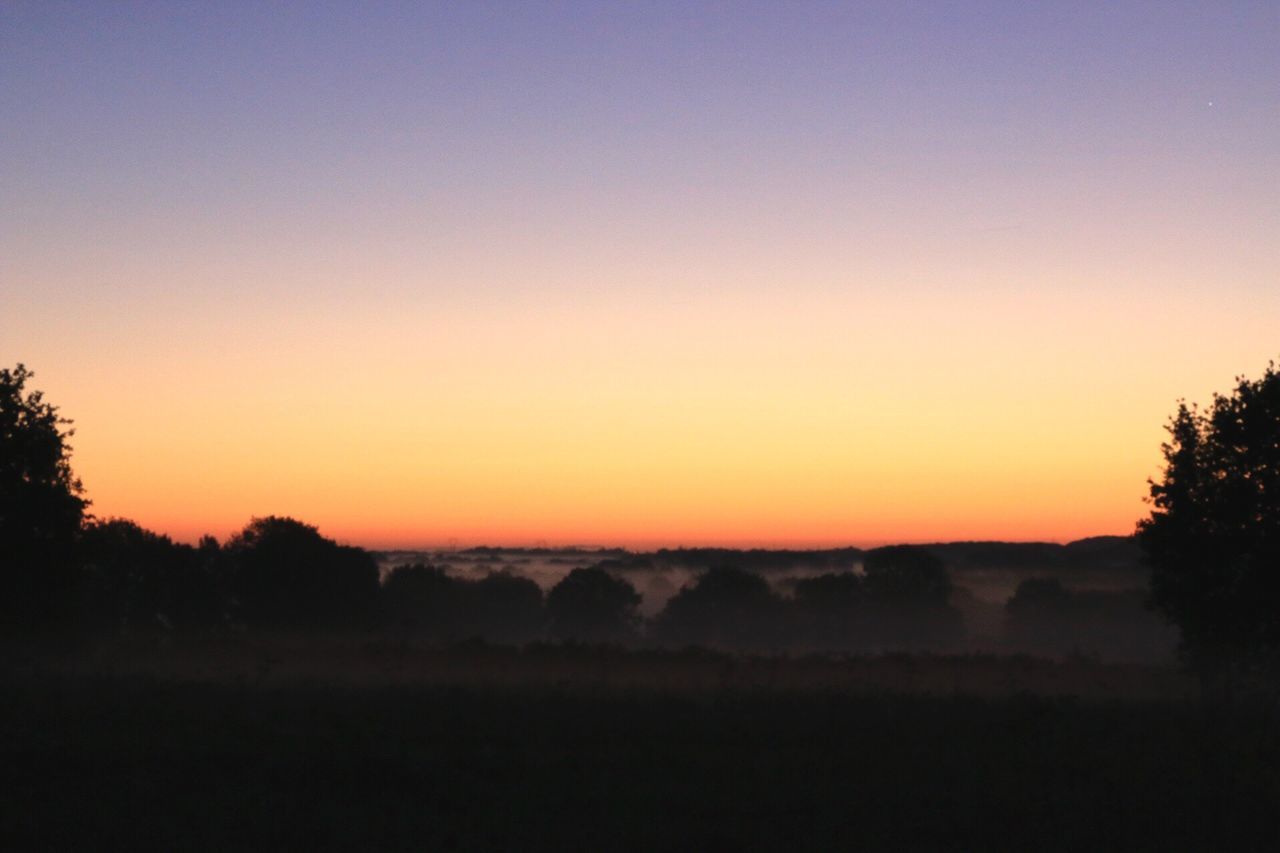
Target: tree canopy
[[133, 577], [41, 501], [1213, 536], [907, 574], [285, 574], [589, 604], [725, 607]]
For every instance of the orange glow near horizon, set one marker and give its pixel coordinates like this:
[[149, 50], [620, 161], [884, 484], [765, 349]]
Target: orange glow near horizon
[[720, 423], [636, 274]]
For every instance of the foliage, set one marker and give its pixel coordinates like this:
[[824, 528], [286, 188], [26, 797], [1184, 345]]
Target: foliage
[[41, 503], [591, 605], [284, 574], [725, 607], [831, 611], [842, 592], [909, 591], [132, 577], [422, 599], [504, 608], [1213, 536], [907, 573]]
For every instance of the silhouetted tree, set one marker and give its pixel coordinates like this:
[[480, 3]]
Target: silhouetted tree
[[725, 607], [838, 592], [830, 611], [41, 505], [1213, 536], [285, 574], [909, 597], [593, 606], [499, 608], [132, 577], [906, 574], [505, 608], [423, 600]]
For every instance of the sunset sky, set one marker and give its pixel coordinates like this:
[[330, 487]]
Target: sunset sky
[[640, 274]]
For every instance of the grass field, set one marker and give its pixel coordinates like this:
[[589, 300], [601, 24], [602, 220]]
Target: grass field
[[552, 761]]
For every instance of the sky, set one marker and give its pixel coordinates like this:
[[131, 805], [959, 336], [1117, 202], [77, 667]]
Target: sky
[[636, 273]]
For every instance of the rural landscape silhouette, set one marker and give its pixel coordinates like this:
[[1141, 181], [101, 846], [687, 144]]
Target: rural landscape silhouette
[[251, 647], [592, 426]]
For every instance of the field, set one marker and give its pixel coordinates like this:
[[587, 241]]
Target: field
[[478, 748]]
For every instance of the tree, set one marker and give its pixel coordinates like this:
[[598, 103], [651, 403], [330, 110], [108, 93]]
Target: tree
[[906, 574], [132, 577], [831, 610], [909, 599], [499, 608], [592, 605], [504, 608], [1213, 536], [726, 607], [423, 599], [41, 503], [286, 575]]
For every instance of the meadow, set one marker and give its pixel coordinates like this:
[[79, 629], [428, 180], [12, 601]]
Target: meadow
[[355, 744]]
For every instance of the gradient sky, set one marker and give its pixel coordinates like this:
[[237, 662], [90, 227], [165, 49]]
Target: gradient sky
[[643, 273]]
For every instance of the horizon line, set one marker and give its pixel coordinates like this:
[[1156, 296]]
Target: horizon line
[[740, 546]]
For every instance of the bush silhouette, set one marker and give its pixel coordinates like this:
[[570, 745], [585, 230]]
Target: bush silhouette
[[591, 605], [284, 574], [41, 506]]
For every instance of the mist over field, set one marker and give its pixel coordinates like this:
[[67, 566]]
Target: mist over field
[[985, 576]]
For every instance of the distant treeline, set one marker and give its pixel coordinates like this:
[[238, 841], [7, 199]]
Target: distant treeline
[[1109, 553], [279, 574]]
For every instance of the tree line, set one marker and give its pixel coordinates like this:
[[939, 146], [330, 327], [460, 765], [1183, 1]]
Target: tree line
[[69, 570], [280, 574], [1212, 541]]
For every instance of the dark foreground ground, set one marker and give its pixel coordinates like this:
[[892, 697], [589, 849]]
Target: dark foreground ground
[[139, 760]]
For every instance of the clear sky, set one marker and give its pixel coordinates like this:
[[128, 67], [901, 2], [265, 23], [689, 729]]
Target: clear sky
[[636, 273]]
